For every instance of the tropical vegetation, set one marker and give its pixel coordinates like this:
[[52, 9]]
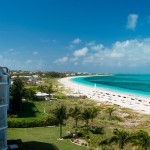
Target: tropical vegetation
[[86, 119]]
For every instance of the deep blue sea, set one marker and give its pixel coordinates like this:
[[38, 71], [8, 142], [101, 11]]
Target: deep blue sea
[[136, 84]]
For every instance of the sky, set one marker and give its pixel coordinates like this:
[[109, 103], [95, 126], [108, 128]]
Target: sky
[[98, 36]]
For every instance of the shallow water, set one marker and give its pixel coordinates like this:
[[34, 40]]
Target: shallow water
[[136, 84]]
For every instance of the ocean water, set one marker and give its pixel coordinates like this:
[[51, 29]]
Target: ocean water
[[136, 84]]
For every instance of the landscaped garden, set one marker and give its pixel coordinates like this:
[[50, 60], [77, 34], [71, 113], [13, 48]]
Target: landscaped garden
[[85, 124]]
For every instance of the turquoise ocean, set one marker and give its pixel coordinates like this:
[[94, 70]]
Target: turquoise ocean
[[136, 84]]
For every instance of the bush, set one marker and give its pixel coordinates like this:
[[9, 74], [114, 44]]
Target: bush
[[26, 123], [31, 122], [60, 96], [13, 116], [83, 133], [97, 130], [116, 118], [51, 120], [29, 93]]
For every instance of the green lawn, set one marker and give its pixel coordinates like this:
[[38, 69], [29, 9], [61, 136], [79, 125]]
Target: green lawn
[[32, 109], [42, 138], [46, 138]]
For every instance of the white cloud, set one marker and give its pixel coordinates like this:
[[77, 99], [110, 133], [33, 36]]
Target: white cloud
[[97, 47], [61, 60], [28, 62], [129, 53], [90, 43], [71, 46], [74, 59], [132, 21], [35, 53], [81, 52], [76, 41]]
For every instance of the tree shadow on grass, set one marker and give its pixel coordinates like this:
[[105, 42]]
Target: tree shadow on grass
[[29, 110], [34, 145]]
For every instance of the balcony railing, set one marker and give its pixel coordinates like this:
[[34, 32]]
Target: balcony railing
[[3, 123], [2, 101], [2, 144], [3, 79]]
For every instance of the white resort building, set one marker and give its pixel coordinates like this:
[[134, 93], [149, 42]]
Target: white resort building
[[4, 101]]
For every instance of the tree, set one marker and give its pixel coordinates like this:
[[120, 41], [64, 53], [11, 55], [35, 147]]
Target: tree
[[86, 115], [60, 114], [120, 136], [141, 138], [93, 113], [29, 93], [46, 89], [16, 92], [110, 110], [76, 114]]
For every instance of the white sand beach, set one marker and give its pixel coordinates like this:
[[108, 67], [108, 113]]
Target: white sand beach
[[137, 103]]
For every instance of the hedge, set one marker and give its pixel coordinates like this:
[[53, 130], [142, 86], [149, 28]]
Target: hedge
[[31, 122]]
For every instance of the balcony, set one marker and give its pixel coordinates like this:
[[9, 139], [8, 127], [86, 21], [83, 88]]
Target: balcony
[[2, 144], [3, 117], [3, 123], [3, 79], [2, 101]]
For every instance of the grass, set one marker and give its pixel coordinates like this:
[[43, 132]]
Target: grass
[[43, 138], [36, 109], [46, 137], [32, 109]]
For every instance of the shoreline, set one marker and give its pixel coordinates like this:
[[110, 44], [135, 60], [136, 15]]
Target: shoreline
[[140, 104]]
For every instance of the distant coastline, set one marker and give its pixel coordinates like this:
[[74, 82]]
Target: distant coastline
[[80, 80], [136, 102]]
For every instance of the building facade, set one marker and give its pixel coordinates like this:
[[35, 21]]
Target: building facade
[[4, 104]]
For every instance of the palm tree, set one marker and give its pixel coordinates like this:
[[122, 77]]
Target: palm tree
[[110, 110], [86, 115], [94, 113], [120, 136], [76, 114], [61, 114], [141, 138]]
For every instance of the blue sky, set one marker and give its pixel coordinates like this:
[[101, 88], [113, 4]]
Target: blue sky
[[110, 36]]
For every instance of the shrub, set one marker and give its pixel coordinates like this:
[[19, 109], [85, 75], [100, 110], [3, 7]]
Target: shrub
[[82, 144], [116, 118], [26, 122], [60, 96], [13, 116], [82, 133], [51, 120], [97, 130], [31, 122]]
